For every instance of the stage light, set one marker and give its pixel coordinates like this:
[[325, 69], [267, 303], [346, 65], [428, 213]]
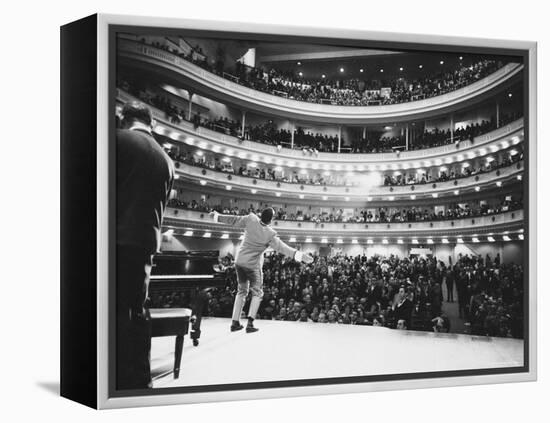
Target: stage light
[[385, 241], [224, 236], [341, 70], [490, 159], [391, 198], [435, 195], [456, 192], [323, 76], [400, 241], [460, 58], [303, 172], [459, 241], [188, 233], [207, 235], [216, 149], [465, 164], [226, 160], [278, 169], [490, 239], [370, 241], [401, 69], [324, 241], [506, 238], [444, 241], [441, 62], [347, 198], [509, 95], [361, 70], [292, 239], [475, 239], [241, 237], [308, 240], [202, 144], [339, 241], [202, 182], [369, 198], [176, 176], [354, 241], [228, 187], [300, 73], [415, 241], [189, 141], [200, 153], [325, 198], [477, 188], [278, 194], [301, 196], [253, 191], [420, 66], [242, 155], [381, 70], [520, 237], [299, 63], [430, 241], [167, 145], [169, 233], [499, 184], [519, 177]]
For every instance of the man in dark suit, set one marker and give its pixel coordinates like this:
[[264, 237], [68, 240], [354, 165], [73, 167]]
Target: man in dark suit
[[403, 307], [144, 176]]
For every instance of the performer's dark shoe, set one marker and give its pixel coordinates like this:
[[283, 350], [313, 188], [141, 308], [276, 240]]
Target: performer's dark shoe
[[235, 326], [251, 329], [195, 342]]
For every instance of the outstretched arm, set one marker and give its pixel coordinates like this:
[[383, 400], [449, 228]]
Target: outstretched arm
[[288, 251]]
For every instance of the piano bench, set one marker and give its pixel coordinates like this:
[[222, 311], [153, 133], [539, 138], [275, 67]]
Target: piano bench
[[171, 322]]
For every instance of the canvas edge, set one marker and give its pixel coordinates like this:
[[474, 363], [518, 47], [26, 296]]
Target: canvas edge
[[103, 399]]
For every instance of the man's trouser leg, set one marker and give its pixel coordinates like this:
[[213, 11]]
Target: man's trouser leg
[[242, 292], [133, 336], [256, 284]]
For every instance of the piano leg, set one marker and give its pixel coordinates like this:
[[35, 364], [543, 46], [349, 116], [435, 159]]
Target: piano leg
[[199, 301], [177, 358]]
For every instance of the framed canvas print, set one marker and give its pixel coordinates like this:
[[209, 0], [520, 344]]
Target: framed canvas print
[[255, 211]]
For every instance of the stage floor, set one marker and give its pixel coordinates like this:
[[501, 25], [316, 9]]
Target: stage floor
[[294, 350]]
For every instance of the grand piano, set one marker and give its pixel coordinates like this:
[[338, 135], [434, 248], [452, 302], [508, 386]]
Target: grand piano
[[190, 274]]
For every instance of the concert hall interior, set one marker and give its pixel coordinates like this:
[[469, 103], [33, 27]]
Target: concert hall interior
[[402, 173]]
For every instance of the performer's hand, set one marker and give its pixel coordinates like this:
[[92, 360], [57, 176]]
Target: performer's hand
[[307, 259]]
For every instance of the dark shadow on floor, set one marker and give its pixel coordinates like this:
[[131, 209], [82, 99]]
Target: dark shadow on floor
[[51, 387]]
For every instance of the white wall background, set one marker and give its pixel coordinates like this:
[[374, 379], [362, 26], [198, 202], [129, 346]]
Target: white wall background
[[30, 338]]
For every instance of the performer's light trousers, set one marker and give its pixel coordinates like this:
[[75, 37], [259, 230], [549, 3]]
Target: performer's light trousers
[[248, 279]]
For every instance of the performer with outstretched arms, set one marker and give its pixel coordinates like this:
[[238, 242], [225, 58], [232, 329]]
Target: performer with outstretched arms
[[258, 236]]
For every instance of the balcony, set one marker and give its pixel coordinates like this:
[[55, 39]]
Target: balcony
[[359, 192], [217, 142], [512, 221], [174, 68]]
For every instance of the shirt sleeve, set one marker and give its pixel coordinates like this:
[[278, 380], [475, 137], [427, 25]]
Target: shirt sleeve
[[281, 247], [229, 219]]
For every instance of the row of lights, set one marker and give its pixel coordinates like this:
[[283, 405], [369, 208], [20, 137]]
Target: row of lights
[[337, 167], [341, 69], [372, 241], [477, 188]]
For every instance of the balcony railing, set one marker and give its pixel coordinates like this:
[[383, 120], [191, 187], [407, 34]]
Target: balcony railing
[[506, 221], [259, 101], [359, 191]]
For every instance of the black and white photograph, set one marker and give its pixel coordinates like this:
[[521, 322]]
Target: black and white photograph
[[299, 211]]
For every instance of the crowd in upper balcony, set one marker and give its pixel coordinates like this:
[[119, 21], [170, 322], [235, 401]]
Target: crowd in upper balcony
[[370, 215], [411, 177], [347, 92], [398, 293], [312, 143]]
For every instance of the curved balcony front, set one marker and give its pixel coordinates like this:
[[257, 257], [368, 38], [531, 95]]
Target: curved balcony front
[[175, 69], [181, 220], [262, 187]]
